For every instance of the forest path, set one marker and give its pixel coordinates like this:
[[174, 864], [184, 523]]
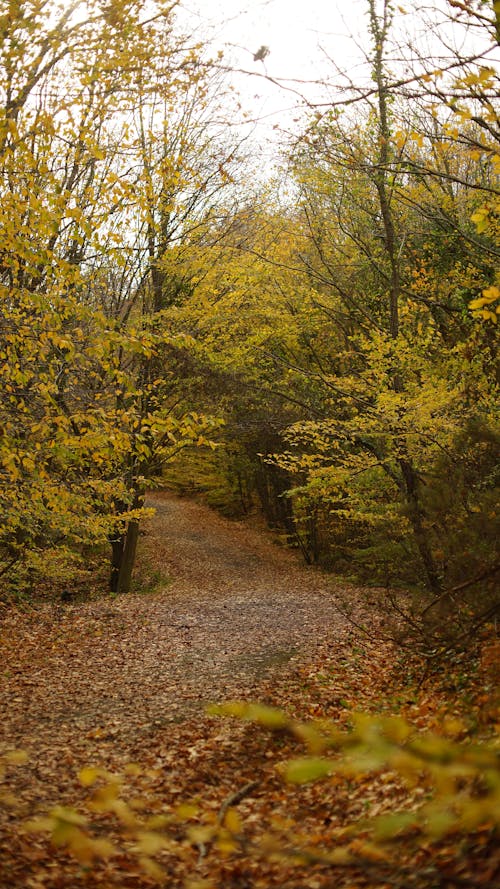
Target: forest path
[[97, 681], [125, 680]]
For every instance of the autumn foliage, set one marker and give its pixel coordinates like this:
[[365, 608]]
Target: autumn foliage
[[314, 350]]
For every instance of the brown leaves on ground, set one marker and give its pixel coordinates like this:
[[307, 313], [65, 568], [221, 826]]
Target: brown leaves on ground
[[223, 614]]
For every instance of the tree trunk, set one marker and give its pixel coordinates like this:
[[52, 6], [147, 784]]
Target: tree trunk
[[117, 547], [123, 550], [128, 557], [379, 26], [419, 532]]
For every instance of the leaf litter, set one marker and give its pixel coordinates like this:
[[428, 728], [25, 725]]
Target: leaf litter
[[223, 614]]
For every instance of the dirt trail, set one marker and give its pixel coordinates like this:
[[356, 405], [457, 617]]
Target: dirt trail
[[230, 606], [115, 681], [237, 601]]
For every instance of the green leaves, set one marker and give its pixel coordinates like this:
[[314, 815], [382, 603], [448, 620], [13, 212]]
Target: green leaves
[[302, 771], [450, 773]]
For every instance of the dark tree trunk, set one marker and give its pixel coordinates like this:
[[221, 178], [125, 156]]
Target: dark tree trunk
[[415, 515], [128, 557], [117, 547], [123, 550]]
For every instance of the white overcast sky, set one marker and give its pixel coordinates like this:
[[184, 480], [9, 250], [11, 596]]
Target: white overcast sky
[[296, 32], [307, 40], [291, 28], [300, 34]]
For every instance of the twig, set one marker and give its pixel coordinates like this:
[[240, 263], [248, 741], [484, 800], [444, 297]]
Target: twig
[[375, 637], [234, 798], [203, 851], [489, 572]]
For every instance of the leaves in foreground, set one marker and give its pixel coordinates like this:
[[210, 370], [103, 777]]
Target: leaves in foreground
[[461, 783]]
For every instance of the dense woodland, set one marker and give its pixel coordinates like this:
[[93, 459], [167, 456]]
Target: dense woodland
[[316, 345], [319, 346]]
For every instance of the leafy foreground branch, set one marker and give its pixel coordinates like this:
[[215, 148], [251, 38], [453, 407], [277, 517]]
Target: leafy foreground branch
[[453, 798]]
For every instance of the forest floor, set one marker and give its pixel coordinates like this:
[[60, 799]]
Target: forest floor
[[222, 613]]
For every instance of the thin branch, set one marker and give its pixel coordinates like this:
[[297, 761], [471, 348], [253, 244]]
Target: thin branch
[[234, 798], [488, 572]]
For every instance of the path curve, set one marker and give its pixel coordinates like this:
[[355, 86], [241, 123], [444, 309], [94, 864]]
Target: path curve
[[230, 607], [236, 600]]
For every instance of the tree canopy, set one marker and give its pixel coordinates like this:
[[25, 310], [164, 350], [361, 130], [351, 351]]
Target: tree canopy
[[330, 332]]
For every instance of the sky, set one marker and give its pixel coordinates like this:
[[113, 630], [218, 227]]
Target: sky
[[300, 35], [291, 28], [307, 41]]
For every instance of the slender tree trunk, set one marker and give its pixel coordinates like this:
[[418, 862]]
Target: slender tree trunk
[[128, 557], [123, 552], [117, 547], [415, 516], [379, 26]]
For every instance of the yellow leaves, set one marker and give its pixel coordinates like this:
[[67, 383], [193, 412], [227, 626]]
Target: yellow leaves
[[368, 851], [67, 829], [119, 808], [448, 770], [67, 817], [133, 769], [340, 856], [454, 807], [418, 139], [43, 824], [222, 832], [232, 821], [89, 775], [201, 834], [395, 729], [195, 883], [439, 822], [105, 797], [11, 758], [143, 449], [10, 462], [186, 811], [481, 219], [387, 827], [15, 758], [152, 869], [71, 200], [101, 849], [149, 842], [484, 308], [452, 727], [268, 717], [225, 843], [400, 139], [484, 77]]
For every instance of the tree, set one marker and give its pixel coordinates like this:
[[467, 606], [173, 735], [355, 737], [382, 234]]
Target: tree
[[369, 207], [346, 310], [85, 419]]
